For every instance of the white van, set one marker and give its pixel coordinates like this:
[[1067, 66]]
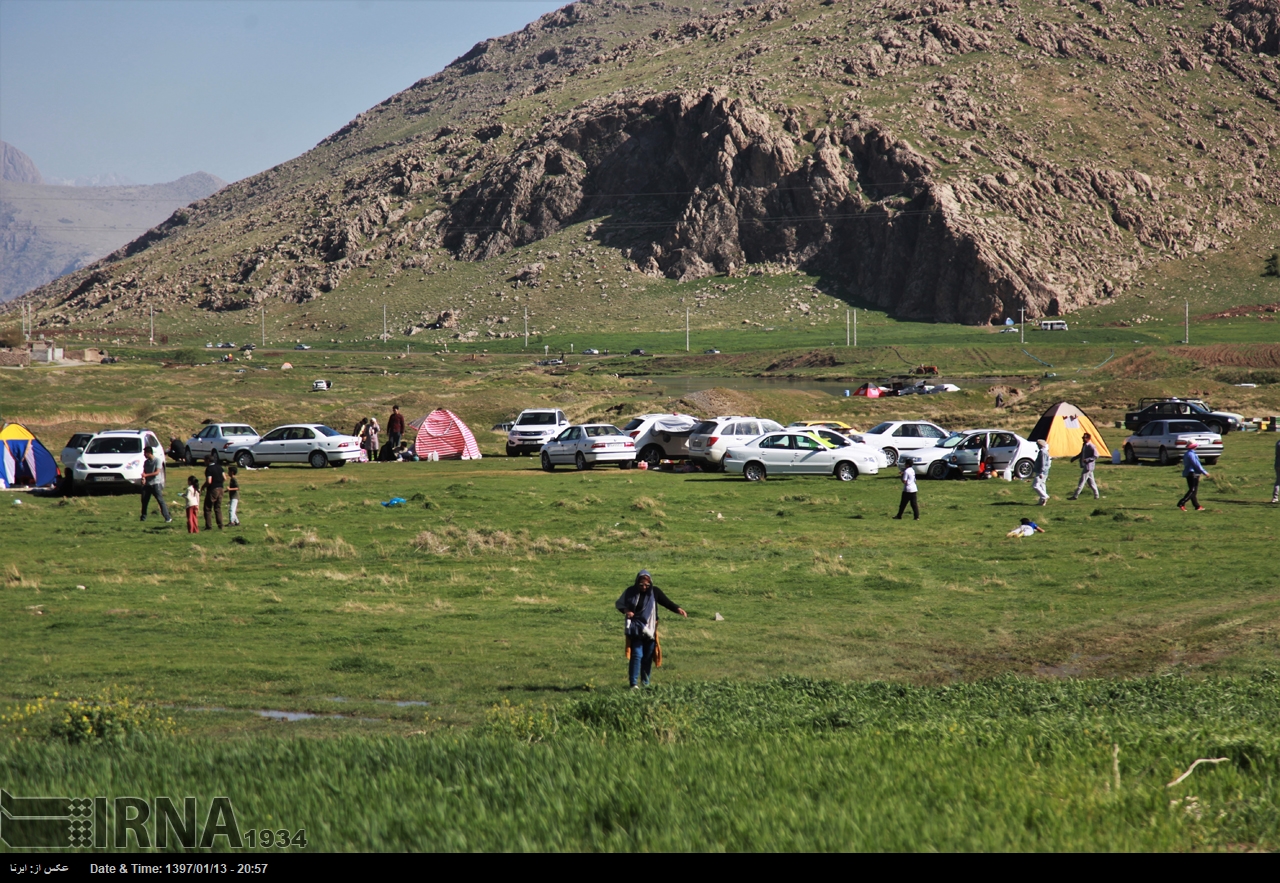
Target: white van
[[1053, 325]]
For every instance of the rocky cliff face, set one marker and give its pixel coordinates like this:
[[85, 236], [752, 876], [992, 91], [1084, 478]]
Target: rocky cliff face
[[951, 161], [16, 166]]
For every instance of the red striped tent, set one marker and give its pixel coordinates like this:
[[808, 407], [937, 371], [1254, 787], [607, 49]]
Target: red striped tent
[[444, 433]]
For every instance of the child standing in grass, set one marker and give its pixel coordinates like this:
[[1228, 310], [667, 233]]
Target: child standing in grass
[[192, 493], [233, 491]]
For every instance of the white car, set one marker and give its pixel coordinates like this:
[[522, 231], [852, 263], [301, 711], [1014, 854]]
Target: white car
[[312, 443], [115, 458], [840, 440], [661, 437], [587, 445], [74, 448], [533, 429], [960, 454], [798, 453], [591, 351], [711, 438], [224, 439], [896, 436]]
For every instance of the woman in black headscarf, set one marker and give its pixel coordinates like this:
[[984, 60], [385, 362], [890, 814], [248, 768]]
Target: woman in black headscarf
[[640, 605]]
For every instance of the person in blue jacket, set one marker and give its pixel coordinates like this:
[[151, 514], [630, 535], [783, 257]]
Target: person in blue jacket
[[639, 604], [1191, 471]]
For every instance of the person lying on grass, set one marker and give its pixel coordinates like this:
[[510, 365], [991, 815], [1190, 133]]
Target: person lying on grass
[[640, 605], [1025, 529]]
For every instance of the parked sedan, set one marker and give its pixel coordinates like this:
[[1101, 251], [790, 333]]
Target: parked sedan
[[1167, 440], [895, 437], [312, 443], [223, 439], [798, 453], [587, 445], [960, 454]]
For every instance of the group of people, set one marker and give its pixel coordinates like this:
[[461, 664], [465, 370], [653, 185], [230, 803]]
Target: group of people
[[1192, 471], [368, 431], [217, 484]]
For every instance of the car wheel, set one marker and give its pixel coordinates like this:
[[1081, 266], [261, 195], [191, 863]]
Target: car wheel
[[1217, 427], [1024, 468], [191, 460], [753, 472], [318, 460], [580, 462], [512, 452], [625, 464], [892, 455], [652, 454], [244, 460], [547, 465], [937, 470], [1164, 456], [846, 471], [1130, 455], [338, 464], [1211, 461]]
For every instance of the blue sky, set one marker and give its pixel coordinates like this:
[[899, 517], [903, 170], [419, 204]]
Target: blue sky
[[156, 89]]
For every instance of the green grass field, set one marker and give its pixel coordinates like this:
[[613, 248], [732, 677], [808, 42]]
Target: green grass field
[[874, 684]]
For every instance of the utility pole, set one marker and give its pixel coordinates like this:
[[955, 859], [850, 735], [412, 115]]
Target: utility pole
[[384, 323], [686, 329], [1022, 331], [153, 326], [1186, 323], [855, 327], [846, 327], [526, 327]]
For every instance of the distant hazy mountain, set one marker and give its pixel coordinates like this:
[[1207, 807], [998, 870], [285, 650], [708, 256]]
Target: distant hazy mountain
[[17, 166], [112, 180], [48, 230]]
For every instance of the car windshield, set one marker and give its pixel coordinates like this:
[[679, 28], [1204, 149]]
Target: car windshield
[[633, 423], [79, 440], [1187, 426], [952, 441], [880, 429], [597, 431], [328, 431], [538, 418], [115, 445]]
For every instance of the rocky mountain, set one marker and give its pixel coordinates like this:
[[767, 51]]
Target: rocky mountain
[[949, 160], [47, 231], [17, 166]]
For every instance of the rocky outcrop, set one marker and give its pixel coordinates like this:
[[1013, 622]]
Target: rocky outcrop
[[1258, 22], [17, 166]]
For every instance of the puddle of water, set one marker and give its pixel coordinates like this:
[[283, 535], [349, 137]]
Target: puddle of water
[[398, 703]]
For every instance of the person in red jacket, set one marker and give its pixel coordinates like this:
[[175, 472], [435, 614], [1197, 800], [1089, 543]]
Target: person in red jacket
[[395, 427]]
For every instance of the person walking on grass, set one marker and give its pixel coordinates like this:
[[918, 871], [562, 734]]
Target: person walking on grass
[[395, 428], [1088, 458], [153, 483], [909, 490], [639, 604], [233, 493], [1041, 483], [1191, 471], [214, 482], [192, 494]]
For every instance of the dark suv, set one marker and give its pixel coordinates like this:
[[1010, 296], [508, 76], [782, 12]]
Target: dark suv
[[1164, 409]]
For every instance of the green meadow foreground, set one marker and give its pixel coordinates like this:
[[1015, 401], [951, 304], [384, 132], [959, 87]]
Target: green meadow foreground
[[455, 665], [489, 595]]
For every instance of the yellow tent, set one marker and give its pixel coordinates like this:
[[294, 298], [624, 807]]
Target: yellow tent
[[1062, 426]]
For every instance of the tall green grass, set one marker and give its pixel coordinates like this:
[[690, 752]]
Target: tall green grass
[[790, 764]]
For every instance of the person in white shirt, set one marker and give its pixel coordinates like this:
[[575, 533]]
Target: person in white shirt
[[909, 490]]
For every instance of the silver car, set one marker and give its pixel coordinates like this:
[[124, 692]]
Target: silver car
[[312, 443], [587, 445], [711, 438], [1167, 440], [959, 454], [799, 453], [222, 439]]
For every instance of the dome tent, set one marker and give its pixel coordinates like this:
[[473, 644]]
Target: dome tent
[[1063, 426], [24, 461], [443, 433]]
